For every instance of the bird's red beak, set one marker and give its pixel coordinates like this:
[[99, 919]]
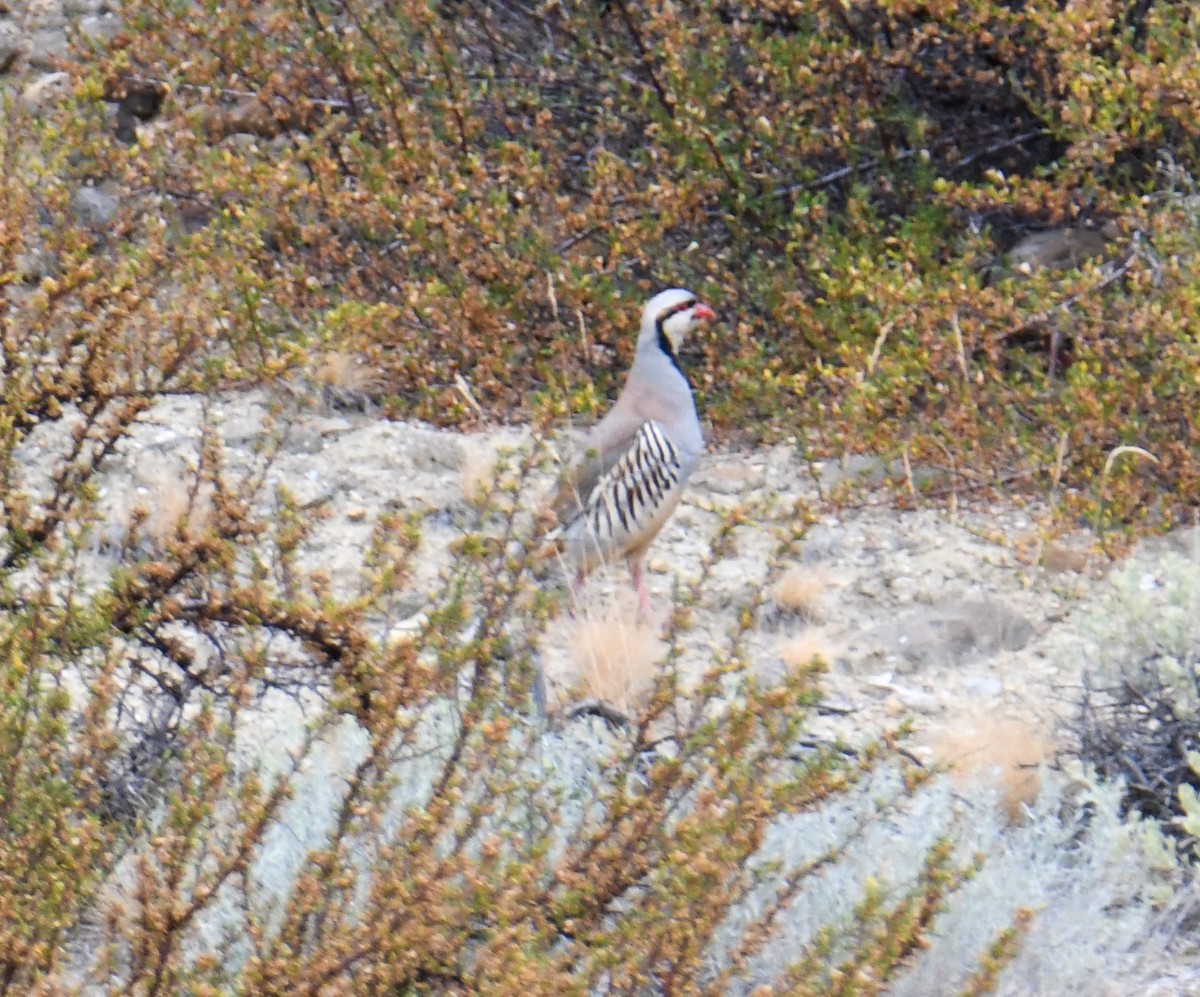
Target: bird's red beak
[[703, 311]]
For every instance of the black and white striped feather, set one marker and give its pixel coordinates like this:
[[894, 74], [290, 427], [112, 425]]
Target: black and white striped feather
[[621, 499]]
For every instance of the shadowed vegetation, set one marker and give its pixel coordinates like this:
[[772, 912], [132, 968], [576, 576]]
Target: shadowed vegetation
[[484, 191]]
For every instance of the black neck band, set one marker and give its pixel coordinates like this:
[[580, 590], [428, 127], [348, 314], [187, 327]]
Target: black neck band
[[664, 341]]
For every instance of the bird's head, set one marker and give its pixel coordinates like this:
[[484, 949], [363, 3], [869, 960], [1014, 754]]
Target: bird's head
[[669, 318]]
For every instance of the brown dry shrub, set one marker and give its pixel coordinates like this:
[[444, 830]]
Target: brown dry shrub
[[458, 189], [455, 191]]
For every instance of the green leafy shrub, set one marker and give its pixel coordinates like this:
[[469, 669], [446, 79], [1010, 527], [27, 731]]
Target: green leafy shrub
[[1140, 713], [470, 197], [494, 188]]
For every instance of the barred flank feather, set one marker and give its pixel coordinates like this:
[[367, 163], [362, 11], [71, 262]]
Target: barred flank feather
[[632, 494]]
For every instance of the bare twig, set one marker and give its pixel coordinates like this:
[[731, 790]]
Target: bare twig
[[877, 351], [958, 346], [667, 101], [583, 336], [599, 708], [336, 105], [464, 389], [908, 474], [1006, 143], [869, 164]]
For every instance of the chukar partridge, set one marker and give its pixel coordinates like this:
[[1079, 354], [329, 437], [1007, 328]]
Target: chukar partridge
[[617, 495]]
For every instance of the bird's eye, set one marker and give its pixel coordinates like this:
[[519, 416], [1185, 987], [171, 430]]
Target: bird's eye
[[683, 306]]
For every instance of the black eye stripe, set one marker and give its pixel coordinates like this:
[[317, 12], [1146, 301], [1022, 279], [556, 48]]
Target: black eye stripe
[[683, 306]]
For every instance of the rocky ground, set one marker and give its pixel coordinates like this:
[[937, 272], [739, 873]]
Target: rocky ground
[[955, 614], [958, 618], [959, 614], [36, 35], [948, 616]]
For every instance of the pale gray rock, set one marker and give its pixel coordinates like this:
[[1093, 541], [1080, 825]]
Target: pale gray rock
[[919, 700], [100, 27], [47, 48], [34, 265], [96, 206], [303, 440], [12, 44], [823, 542], [46, 91], [983, 687], [723, 476], [1058, 249], [432, 450]]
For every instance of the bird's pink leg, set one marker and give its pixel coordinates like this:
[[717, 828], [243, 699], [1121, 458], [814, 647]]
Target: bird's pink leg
[[639, 585], [576, 588]]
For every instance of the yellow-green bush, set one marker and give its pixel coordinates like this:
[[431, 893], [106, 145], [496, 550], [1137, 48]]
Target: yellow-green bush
[[485, 191], [505, 182]]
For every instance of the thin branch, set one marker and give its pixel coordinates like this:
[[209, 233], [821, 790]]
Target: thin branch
[[1113, 274], [844, 171], [667, 101]]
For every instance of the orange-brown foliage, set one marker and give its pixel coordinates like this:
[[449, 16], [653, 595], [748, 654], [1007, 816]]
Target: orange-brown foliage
[[458, 189]]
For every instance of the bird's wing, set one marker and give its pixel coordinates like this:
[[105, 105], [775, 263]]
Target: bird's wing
[[578, 483], [626, 487]]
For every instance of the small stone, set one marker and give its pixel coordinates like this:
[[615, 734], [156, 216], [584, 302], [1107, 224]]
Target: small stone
[[880, 683], [333, 426], [919, 701], [95, 206], [11, 45], [1057, 249], [100, 27], [984, 687], [871, 587], [47, 90], [658, 566], [356, 514], [79, 8], [47, 48], [823, 542], [729, 479], [437, 451], [34, 265]]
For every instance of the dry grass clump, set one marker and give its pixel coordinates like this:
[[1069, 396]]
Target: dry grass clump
[[615, 656], [980, 746], [799, 650], [346, 380], [802, 591]]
